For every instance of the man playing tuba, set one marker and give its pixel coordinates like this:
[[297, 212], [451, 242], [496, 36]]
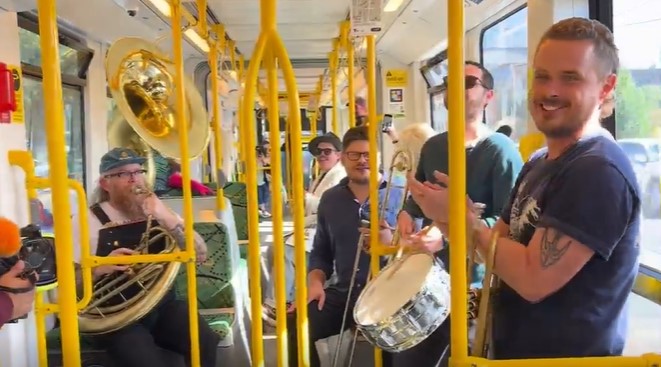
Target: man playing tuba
[[118, 219]]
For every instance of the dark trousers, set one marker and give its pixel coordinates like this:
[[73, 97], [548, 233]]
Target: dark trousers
[[322, 324], [166, 327]]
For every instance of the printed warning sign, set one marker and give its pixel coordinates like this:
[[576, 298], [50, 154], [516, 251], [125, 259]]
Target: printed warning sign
[[396, 78], [18, 116]]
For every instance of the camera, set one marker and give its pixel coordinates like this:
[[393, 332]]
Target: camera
[[130, 6]]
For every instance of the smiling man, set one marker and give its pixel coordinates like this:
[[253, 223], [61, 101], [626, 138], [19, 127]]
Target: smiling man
[[568, 255]]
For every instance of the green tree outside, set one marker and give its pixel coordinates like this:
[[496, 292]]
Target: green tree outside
[[634, 106]]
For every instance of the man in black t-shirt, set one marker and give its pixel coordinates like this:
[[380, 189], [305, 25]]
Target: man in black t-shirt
[[567, 255]]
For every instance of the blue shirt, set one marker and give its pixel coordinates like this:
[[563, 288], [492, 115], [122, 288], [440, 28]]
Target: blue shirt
[[589, 193], [338, 219]]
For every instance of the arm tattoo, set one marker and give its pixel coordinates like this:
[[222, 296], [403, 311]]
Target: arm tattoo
[[178, 233], [553, 247]]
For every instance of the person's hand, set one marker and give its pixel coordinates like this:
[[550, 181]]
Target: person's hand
[[385, 235], [429, 239], [201, 253], [108, 269], [433, 199], [22, 301], [317, 293], [153, 206], [405, 224]]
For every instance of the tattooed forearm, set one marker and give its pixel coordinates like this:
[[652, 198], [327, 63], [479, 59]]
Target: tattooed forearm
[[553, 246], [178, 233]]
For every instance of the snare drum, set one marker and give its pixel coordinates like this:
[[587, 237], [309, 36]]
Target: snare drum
[[396, 311]]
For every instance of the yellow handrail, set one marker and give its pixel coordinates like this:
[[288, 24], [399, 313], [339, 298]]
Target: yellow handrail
[[54, 108], [182, 124], [277, 211], [457, 173], [375, 266], [345, 39], [270, 46], [216, 120], [332, 59]]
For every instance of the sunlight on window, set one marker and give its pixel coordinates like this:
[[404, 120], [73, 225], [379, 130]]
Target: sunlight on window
[[505, 54], [638, 109]]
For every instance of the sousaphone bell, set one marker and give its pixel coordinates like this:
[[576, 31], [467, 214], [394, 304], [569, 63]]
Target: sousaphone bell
[[141, 79]]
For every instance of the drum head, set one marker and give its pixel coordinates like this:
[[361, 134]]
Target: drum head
[[395, 285]]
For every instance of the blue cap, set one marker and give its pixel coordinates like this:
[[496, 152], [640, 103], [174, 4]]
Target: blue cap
[[119, 157]]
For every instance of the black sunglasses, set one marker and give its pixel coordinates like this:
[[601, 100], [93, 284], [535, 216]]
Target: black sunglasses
[[325, 152], [470, 80]]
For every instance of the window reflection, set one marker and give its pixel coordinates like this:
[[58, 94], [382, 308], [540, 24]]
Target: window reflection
[[71, 61], [638, 110], [36, 129], [505, 54]]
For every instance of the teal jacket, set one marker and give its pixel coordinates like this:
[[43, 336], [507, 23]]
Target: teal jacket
[[492, 167]]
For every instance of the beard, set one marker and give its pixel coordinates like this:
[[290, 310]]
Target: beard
[[129, 204]]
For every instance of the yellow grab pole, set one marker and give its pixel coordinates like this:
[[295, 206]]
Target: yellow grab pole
[[375, 265], [457, 165], [216, 121], [333, 72], [182, 124], [57, 159], [297, 192], [277, 211], [352, 92], [247, 136]]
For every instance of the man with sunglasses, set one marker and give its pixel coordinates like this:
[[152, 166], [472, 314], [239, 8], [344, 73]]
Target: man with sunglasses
[[119, 202], [492, 166], [336, 244], [327, 152]]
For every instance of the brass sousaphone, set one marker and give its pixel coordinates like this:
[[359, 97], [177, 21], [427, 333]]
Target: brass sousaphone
[[142, 83]]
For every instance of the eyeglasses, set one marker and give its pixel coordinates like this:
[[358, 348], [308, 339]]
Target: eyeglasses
[[355, 156], [127, 175], [325, 152], [470, 80]]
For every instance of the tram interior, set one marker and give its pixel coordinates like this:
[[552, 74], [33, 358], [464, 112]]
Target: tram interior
[[412, 43]]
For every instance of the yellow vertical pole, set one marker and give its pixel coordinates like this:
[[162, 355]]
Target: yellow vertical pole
[[375, 266], [57, 159], [288, 149], [270, 65], [333, 72], [297, 192], [40, 321], [182, 124], [248, 136], [457, 158], [216, 121], [350, 77]]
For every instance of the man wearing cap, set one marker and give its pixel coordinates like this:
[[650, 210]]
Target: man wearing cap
[[327, 151], [118, 202]]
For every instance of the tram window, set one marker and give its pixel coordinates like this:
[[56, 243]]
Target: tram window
[[439, 114], [638, 110], [75, 57], [36, 131], [504, 52]]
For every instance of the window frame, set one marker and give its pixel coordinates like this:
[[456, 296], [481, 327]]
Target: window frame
[[29, 22], [481, 43]]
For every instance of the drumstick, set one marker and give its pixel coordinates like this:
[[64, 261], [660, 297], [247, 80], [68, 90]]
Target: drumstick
[[400, 251]]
